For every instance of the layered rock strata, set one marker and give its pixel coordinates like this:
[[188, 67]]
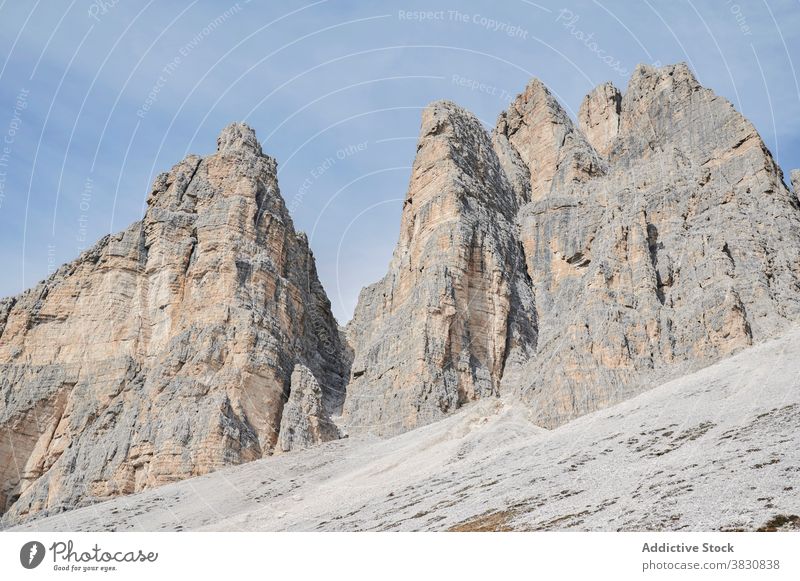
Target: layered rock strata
[[455, 308], [168, 350]]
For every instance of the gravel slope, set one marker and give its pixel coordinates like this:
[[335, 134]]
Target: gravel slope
[[718, 449]]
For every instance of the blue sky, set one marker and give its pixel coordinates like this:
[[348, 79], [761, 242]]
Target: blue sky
[[97, 97]]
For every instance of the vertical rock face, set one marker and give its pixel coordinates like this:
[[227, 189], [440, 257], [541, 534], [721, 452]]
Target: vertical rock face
[[571, 265], [455, 308], [536, 142], [167, 351], [658, 237], [795, 175], [599, 116], [305, 420], [681, 250]]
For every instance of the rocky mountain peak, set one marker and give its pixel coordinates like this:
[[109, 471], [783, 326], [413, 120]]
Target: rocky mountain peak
[[238, 138], [440, 328], [599, 116], [539, 145], [569, 265], [649, 80], [170, 349]]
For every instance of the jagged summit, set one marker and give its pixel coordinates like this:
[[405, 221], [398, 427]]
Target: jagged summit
[[170, 349], [566, 265], [238, 137], [439, 328], [598, 117], [646, 244]]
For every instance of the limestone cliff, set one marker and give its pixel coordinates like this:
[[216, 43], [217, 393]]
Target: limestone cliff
[[681, 246], [455, 308], [658, 237], [167, 351], [567, 264]]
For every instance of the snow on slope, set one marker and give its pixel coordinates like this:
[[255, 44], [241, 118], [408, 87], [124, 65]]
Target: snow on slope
[[717, 449]]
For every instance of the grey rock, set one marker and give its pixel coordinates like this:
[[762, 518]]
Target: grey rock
[[561, 266], [305, 420], [681, 251], [455, 308], [166, 351]]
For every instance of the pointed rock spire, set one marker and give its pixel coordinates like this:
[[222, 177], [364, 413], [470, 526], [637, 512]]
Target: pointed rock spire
[[535, 136], [238, 138], [598, 117], [168, 350], [455, 307]]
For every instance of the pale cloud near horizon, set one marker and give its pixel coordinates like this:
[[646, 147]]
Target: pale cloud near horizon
[[117, 92]]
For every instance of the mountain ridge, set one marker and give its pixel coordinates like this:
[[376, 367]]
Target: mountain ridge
[[712, 451], [569, 265]]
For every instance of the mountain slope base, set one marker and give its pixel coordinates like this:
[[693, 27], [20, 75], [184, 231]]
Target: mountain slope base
[[715, 450]]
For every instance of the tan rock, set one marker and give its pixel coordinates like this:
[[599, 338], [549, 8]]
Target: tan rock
[[455, 307], [598, 117], [165, 351]]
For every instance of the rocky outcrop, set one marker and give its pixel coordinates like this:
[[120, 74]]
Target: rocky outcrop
[[567, 264], [599, 117], [537, 141], [658, 237], [167, 351], [795, 175], [681, 250], [305, 420], [455, 309]]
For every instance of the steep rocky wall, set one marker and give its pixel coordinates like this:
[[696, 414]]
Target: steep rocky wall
[[681, 250], [166, 351], [455, 307], [568, 264], [658, 237]]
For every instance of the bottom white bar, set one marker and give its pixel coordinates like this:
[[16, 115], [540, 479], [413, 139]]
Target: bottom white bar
[[354, 556]]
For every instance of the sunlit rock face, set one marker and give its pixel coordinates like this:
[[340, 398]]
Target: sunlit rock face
[[166, 351], [455, 309], [566, 265], [657, 237]]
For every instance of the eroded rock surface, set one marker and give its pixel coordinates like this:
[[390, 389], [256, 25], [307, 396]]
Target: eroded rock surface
[[599, 117], [678, 248], [565, 265], [166, 351], [455, 308], [658, 237], [306, 419], [715, 450]]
